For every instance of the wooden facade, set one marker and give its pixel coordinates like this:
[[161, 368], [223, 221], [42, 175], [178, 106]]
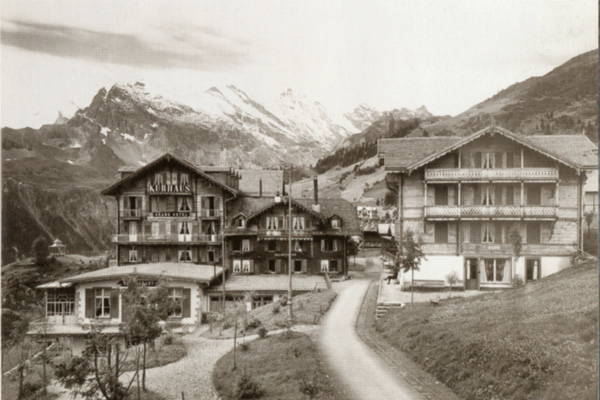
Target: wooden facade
[[471, 202]]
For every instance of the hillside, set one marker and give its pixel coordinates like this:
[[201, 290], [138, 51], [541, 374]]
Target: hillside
[[539, 341], [563, 101]]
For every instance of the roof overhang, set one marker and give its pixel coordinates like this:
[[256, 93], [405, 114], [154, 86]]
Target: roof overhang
[[113, 189], [284, 201]]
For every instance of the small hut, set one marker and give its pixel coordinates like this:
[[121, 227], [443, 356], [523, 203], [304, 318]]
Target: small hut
[[57, 248]]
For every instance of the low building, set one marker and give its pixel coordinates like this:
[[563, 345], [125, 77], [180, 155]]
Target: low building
[[57, 248], [470, 199]]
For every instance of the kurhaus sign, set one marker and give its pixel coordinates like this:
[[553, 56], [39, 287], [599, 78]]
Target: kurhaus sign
[[161, 188]]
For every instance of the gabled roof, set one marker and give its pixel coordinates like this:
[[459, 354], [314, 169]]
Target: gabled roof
[[408, 154], [250, 179], [176, 271], [254, 206], [167, 157], [284, 201]]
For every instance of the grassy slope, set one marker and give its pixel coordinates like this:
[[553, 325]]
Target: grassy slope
[[535, 342], [278, 364], [308, 309]]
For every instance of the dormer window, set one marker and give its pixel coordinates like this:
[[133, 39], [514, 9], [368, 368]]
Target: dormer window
[[336, 223], [240, 222]]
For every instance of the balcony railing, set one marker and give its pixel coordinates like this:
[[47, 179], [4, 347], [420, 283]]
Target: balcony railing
[[139, 213], [500, 211], [485, 174], [163, 238], [132, 213], [209, 213]]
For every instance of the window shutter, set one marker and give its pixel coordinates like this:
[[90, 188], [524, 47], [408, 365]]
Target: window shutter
[[477, 160], [498, 236], [187, 303], [510, 195], [126, 311], [475, 232], [509, 160], [304, 266], [89, 303], [498, 194], [477, 195], [114, 303], [322, 244], [278, 266]]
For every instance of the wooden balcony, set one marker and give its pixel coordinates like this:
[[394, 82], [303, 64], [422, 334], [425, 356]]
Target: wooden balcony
[[495, 174], [166, 239], [488, 212]]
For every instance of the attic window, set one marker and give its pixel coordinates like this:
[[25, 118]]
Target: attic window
[[335, 223], [241, 222]]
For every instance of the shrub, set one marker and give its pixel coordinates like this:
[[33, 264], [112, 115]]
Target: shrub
[[283, 301], [518, 281], [244, 346], [30, 389], [168, 340], [248, 388], [276, 308], [253, 323], [310, 386], [262, 332], [227, 325]]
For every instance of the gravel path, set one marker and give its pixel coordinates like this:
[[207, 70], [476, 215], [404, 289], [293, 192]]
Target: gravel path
[[191, 374]]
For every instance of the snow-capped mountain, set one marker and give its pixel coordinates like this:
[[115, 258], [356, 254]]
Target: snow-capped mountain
[[226, 126]]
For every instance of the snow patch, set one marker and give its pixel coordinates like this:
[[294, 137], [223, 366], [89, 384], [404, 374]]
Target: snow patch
[[75, 145], [104, 130], [154, 125], [151, 111], [103, 141], [70, 162], [147, 135], [129, 137]]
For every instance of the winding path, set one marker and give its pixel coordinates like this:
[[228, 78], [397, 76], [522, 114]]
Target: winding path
[[365, 373]]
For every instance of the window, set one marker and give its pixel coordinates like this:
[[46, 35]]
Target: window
[[102, 303], [246, 245], [298, 264], [335, 223], [297, 246], [185, 179], [155, 229], [211, 256], [333, 265], [184, 204], [240, 222], [329, 245], [176, 298], [324, 265], [496, 270], [488, 195], [133, 255], [184, 232], [246, 266], [237, 265], [534, 233], [532, 269], [272, 245], [487, 232], [441, 195], [236, 245], [185, 255], [158, 179], [272, 223], [298, 223], [272, 266], [534, 196], [259, 301], [441, 232], [60, 302]]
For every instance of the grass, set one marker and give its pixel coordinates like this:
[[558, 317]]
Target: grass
[[278, 364], [307, 309], [535, 342]]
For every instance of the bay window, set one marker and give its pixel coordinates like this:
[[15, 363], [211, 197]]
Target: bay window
[[176, 298], [102, 303]]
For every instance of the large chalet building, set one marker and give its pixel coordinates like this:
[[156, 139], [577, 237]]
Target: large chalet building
[[470, 199], [200, 227]]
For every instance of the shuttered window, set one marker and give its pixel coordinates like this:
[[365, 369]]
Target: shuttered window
[[440, 232]]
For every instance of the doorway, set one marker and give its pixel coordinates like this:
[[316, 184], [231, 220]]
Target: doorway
[[471, 274], [533, 269]]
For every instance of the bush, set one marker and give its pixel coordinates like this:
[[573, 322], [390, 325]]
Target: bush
[[283, 301], [262, 332], [518, 281], [247, 388], [244, 346], [253, 323], [168, 340], [276, 308], [30, 389], [309, 386]]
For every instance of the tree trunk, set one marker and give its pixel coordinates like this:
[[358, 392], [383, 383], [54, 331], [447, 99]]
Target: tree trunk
[[137, 373], [144, 368], [412, 284], [21, 377], [44, 375], [234, 344]]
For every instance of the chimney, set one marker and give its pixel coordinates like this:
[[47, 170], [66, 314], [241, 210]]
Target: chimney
[[283, 183], [316, 207], [260, 187]]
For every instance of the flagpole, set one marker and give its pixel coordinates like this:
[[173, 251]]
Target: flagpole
[[290, 315]]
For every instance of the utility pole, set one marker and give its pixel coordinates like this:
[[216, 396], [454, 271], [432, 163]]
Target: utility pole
[[290, 315], [223, 255]]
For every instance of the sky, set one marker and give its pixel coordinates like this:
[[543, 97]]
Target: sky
[[445, 54]]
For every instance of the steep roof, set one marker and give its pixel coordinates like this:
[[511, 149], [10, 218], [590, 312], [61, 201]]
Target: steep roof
[[176, 271], [167, 157], [254, 206], [408, 154], [250, 179]]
